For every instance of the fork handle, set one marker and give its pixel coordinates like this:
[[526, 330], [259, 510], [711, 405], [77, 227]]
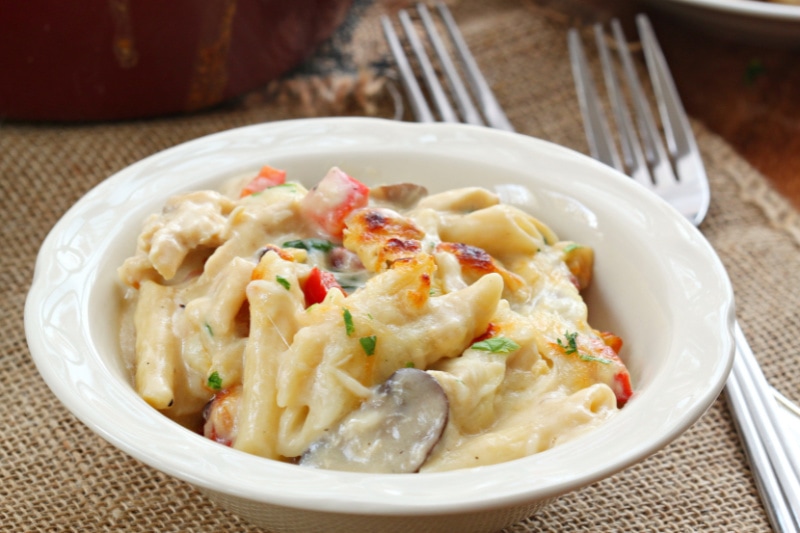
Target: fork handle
[[761, 433]]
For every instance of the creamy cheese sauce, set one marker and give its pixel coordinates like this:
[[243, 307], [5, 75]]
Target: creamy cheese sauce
[[264, 319]]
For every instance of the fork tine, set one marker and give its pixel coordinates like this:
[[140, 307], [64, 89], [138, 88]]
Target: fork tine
[[419, 106], [459, 91], [677, 170], [492, 112], [631, 147], [663, 86], [654, 149], [428, 73], [598, 134], [680, 138], [491, 108]]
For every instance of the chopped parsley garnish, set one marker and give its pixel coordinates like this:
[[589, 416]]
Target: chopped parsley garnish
[[496, 345], [284, 282], [570, 247], [586, 357], [348, 322], [368, 344], [410, 364], [214, 381], [208, 329], [754, 70], [310, 244], [570, 346]]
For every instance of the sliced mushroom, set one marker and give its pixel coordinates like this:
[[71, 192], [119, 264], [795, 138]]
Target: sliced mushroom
[[403, 195], [392, 432]]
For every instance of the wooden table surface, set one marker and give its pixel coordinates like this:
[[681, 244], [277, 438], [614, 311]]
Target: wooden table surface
[[746, 92]]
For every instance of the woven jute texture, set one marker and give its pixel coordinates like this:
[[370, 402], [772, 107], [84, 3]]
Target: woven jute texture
[[56, 475]]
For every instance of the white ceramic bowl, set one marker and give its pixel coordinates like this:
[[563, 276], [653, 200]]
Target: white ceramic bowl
[[657, 283], [746, 21]]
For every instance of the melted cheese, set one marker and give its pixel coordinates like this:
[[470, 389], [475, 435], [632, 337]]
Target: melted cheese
[[217, 302]]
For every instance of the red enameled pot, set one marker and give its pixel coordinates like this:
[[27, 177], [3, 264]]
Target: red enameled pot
[[77, 60]]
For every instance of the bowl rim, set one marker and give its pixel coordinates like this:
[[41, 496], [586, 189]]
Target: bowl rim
[[749, 8], [78, 378]]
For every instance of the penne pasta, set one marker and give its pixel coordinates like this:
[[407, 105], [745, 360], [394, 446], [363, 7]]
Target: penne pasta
[[278, 320], [157, 348]]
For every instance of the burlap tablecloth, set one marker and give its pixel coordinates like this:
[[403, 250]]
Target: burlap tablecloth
[[56, 475]]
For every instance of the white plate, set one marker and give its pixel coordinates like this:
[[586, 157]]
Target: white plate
[[741, 20]]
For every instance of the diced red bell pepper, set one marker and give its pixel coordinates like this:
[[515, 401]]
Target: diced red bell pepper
[[611, 340], [609, 349], [491, 331], [622, 387], [267, 177], [334, 197], [317, 285]]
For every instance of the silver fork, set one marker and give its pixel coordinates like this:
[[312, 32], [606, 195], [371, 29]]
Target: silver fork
[[490, 111], [677, 174], [647, 161]]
